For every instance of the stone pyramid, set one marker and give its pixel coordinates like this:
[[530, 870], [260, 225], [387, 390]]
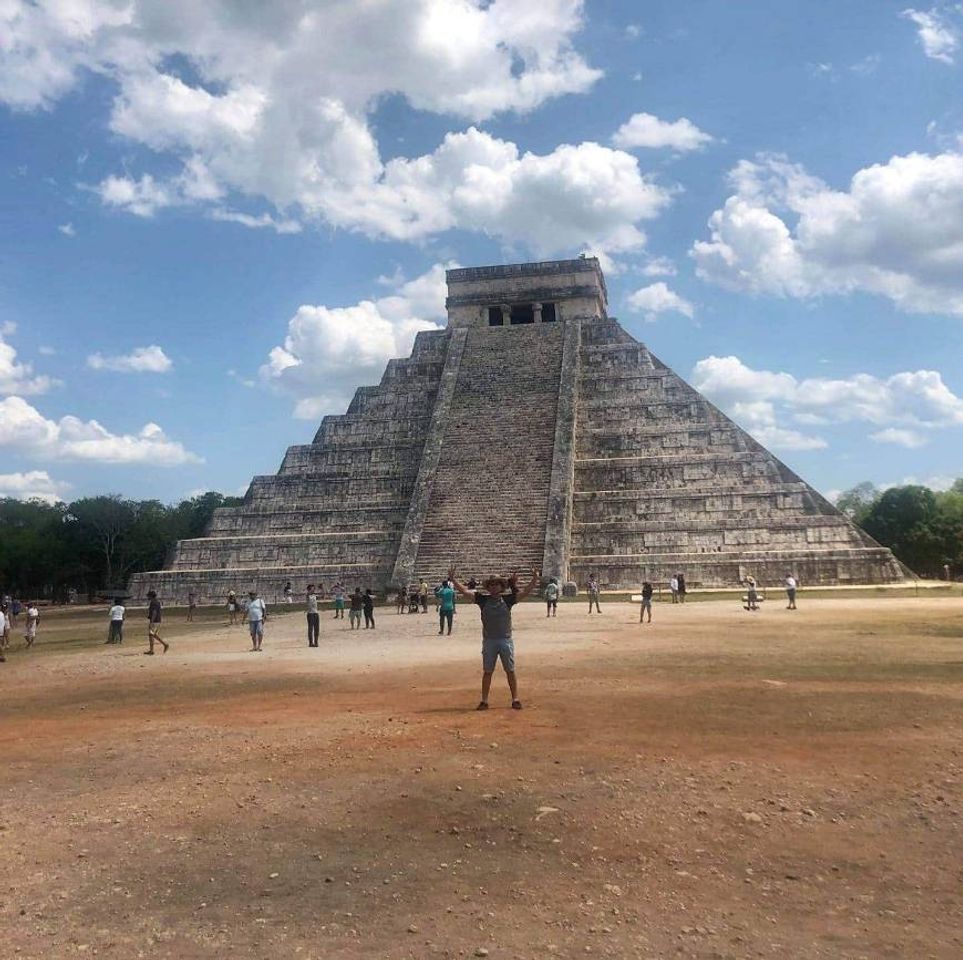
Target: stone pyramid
[[532, 431]]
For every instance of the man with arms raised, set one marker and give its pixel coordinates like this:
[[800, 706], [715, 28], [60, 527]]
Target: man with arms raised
[[496, 614]]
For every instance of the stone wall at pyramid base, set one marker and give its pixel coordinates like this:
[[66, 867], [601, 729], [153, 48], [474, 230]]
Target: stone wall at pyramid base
[[869, 565], [211, 587]]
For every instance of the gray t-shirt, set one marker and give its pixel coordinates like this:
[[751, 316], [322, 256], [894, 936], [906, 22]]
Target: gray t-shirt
[[312, 603], [496, 615]]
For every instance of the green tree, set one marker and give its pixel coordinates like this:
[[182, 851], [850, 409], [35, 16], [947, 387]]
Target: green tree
[[858, 501]]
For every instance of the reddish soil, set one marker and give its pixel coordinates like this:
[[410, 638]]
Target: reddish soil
[[715, 785]]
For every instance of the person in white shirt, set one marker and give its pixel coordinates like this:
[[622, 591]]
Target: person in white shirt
[[4, 632], [115, 630], [674, 588], [33, 618], [791, 591], [256, 615]]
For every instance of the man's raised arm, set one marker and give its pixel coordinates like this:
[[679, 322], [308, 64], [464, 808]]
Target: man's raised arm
[[460, 587], [530, 586]]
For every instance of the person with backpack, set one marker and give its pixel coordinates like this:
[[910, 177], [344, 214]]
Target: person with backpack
[[551, 598], [646, 601], [445, 595], [593, 593]]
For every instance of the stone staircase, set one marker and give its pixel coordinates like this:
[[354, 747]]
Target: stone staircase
[[335, 509], [488, 501]]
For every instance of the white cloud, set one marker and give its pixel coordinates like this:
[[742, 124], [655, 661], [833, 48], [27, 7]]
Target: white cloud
[[264, 220], [659, 267], [896, 232], [67, 229], [44, 351], [905, 406], [646, 130], [17, 377], [24, 429], [938, 37], [658, 298], [911, 439], [150, 359], [340, 347], [273, 103], [32, 485], [633, 31]]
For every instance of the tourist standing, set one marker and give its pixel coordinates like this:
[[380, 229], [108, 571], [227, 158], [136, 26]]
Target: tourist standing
[[791, 591], [256, 617], [314, 618], [367, 604], [232, 607], [593, 593], [153, 624], [496, 616], [446, 606], [15, 608], [33, 620], [288, 592], [423, 595], [357, 605], [680, 580], [4, 632], [115, 626], [551, 598], [674, 588], [402, 599], [338, 592], [646, 602], [752, 594], [191, 605]]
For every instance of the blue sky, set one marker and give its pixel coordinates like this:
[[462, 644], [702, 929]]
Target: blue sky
[[219, 218]]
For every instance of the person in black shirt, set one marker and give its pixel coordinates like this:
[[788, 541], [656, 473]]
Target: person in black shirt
[[153, 624], [367, 604], [646, 601]]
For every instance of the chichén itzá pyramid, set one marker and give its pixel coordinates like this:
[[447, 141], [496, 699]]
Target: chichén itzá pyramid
[[532, 431]]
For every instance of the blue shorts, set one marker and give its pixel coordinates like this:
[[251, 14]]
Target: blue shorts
[[492, 650], [257, 629]]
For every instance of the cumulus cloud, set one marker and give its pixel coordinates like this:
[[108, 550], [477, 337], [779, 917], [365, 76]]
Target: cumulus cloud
[[938, 37], [328, 351], [906, 406], [646, 130], [274, 105], [150, 359], [659, 267], [911, 439], [658, 298], [25, 430], [896, 232], [32, 485], [17, 377]]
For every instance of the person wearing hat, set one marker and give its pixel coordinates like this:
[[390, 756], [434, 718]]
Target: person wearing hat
[[256, 615], [495, 603]]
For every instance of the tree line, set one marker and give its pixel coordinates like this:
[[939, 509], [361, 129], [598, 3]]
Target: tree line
[[923, 527], [94, 544]]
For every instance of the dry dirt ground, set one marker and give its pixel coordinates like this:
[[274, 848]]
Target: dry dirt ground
[[715, 785]]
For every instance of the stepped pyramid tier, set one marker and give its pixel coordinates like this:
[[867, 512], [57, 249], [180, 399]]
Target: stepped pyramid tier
[[532, 431]]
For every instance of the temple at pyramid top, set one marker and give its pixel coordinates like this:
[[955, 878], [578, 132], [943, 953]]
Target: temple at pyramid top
[[533, 431]]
